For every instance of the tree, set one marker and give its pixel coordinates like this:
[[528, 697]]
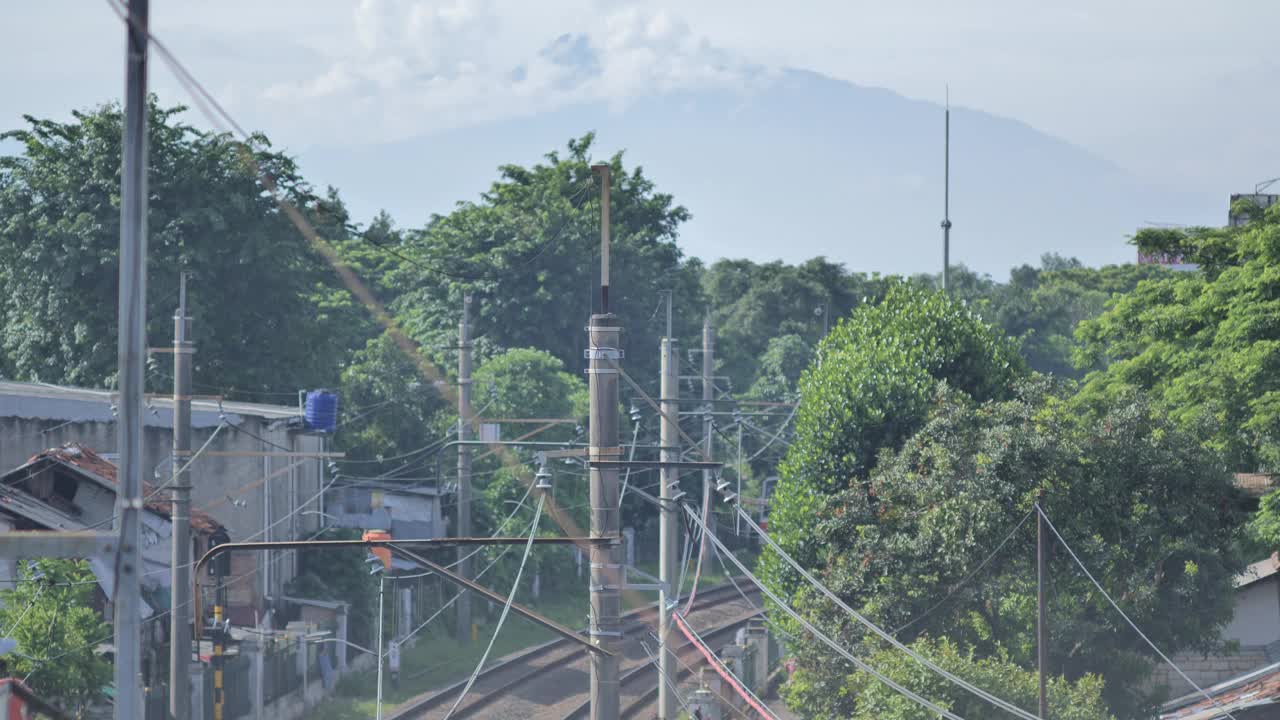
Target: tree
[[1149, 513], [1079, 700], [752, 303], [871, 390], [528, 251], [50, 614], [264, 300], [1204, 343], [526, 382], [1040, 307]]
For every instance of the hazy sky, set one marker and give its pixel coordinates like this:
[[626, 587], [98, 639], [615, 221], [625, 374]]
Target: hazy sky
[[1177, 91]]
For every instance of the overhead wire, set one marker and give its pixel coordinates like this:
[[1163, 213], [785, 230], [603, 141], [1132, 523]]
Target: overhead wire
[[878, 631], [506, 609], [965, 580], [840, 650], [1126, 617]]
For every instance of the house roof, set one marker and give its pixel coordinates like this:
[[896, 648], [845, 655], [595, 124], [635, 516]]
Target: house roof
[[74, 404], [92, 466], [1254, 689], [1260, 570]]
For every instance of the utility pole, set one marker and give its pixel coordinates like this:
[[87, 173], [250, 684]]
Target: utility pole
[[132, 348], [946, 194], [708, 428], [1042, 620], [606, 566], [180, 595], [464, 464], [668, 523]]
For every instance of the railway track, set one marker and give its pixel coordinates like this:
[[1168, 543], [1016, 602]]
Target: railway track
[[551, 680]]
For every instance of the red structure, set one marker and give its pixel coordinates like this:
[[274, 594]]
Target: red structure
[[17, 702]]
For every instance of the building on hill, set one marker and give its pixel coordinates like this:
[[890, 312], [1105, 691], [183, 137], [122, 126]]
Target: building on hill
[[261, 477]]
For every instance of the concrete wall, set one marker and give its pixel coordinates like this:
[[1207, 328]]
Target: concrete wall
[[1257, 613]]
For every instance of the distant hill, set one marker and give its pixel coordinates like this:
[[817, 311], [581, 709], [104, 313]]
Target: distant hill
[[803, 165]]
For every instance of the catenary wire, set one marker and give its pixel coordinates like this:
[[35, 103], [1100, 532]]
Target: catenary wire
[[1131, 623]]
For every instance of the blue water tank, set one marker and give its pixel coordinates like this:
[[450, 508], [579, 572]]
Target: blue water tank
[[321, 411]]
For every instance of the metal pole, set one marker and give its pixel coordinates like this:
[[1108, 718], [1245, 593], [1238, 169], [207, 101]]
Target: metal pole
[[605, 241], [946, 195], [180, 607], [1042, 620], [606, 567], [381, 592], [668, 524], [463, 629], [708, 396], [132, 348]]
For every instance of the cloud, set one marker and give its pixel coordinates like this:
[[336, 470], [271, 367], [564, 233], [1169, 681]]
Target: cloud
[[423, 65]]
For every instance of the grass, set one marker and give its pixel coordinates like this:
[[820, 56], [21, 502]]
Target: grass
[[437, 658]]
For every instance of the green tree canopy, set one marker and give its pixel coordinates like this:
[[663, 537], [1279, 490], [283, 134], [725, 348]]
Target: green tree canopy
[[872, 389], [528, 251], [1205, 343], [1079, 700], [50, 614], [264, 303], [900, 547]]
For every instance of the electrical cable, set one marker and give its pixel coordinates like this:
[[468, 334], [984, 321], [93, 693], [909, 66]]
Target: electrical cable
[[955, 679], [468, 556], [1131, 623], [721, 670], [858, 662], [506, 609], [23, 616], [956, 588]]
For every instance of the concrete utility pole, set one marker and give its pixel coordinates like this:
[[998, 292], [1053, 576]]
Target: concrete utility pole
[[132, 349], [1042, 619], [668, 522], [180, 595], [946, 195], [464, 464], [708, 427], [606, 564]]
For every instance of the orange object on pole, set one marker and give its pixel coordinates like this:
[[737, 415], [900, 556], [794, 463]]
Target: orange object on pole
[[382, 553]]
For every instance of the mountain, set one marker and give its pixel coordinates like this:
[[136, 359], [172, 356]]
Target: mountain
[[799, 165]]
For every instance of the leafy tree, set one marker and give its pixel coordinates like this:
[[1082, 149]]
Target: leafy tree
[[871, 390], [783, 361], [526, 382], [1206, 343], [1040, 307], [398, 410], [50, 613], [265, 304], [529, 248], [1150, 514], [753, 303], [1079, 700]]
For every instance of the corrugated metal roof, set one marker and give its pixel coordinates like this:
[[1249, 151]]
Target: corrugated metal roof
[[1254, 689], [92, 466], [58, 402]]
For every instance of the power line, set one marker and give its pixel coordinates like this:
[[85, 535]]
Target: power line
[[952, 677], [1131, 623], [506, 609], [858, 662], [955, 588]]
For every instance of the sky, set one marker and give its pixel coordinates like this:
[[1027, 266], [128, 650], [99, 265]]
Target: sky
[[1176, 92]]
